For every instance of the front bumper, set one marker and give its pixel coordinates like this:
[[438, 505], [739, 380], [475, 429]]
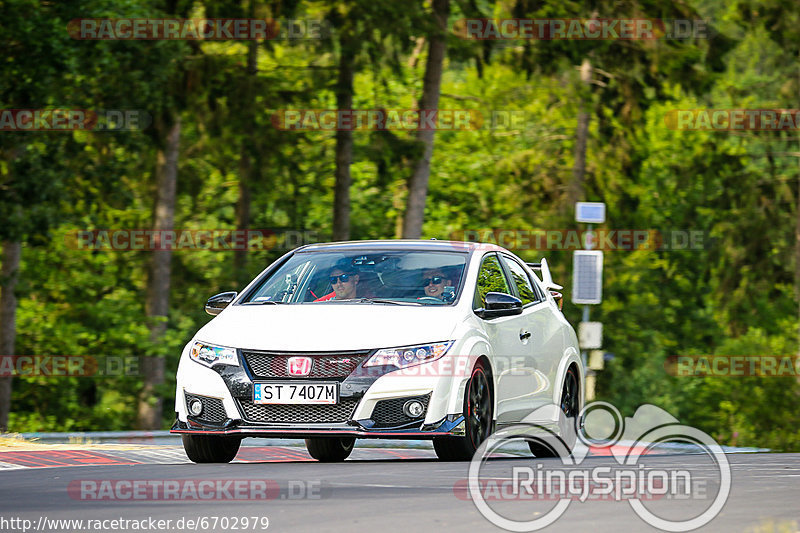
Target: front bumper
[[227, 392]]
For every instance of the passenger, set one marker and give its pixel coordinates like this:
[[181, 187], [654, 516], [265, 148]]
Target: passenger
[[433, 283], [344, 281]]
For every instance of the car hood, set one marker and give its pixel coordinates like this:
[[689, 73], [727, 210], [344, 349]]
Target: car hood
[[329, 326]]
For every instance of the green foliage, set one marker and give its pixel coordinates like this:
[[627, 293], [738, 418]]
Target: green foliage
[[733, 295]]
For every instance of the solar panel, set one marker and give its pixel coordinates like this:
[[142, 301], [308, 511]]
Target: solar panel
[[587, 277]]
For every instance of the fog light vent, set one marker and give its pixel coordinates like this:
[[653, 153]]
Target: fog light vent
[[400, 411]]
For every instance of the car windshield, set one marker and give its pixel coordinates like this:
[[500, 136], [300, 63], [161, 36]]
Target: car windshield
[[383, 277]]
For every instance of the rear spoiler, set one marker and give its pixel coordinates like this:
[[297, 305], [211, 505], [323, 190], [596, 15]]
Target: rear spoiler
[[547, 279]]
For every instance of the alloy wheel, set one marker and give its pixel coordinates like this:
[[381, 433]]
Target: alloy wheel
[[479, 408]]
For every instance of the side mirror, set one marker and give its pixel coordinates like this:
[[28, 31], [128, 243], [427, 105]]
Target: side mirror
[[500, 304], [559, 298], [218, 302]]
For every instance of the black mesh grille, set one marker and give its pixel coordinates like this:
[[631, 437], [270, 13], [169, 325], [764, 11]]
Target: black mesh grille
[[213, 411], [327, 366], [389, 413], [339, 412]]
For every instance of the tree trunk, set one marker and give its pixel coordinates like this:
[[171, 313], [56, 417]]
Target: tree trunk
[[8, 320], [418, 184], [344, 145], [246, 168], [797, 264], [158, 282], [398, 198], [797, 246], [243, 215], [576, 189]]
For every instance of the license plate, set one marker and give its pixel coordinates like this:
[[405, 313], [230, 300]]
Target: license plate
[[296, 393]]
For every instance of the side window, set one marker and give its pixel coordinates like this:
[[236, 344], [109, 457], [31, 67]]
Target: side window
[[526, 291], [539, 291], [490, 279]]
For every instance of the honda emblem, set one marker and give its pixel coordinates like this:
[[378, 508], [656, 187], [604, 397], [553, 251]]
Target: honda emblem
[[298, 366]]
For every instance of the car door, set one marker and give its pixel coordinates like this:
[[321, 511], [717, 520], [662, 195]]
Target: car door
[[545, 342], [504, 336]]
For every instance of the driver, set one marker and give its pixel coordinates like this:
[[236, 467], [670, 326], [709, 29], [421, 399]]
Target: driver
[[344, 280], [434, 282]]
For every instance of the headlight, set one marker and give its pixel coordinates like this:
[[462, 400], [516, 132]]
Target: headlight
[[409, 355], [209, 355]]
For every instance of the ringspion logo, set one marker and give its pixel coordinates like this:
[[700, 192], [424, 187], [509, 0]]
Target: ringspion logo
[[632, 477]]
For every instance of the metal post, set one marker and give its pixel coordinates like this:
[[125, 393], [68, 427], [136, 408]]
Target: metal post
[[585, 318], [590, 213]]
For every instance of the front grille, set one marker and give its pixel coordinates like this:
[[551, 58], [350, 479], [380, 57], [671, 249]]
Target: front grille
[[213, 411], [324, 366], [389, 413], [298, 414]]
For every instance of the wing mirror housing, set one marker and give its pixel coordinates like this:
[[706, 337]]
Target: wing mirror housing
[[500, 304], [218, 302]]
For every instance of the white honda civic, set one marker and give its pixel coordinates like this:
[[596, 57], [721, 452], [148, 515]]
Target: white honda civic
[[438, 340]]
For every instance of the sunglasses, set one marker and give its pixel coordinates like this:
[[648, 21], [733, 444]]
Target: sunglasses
[[436, 281], [344, 278]]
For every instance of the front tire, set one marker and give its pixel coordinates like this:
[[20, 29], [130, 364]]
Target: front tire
[[330, 449], [478, 419], [211, 448]]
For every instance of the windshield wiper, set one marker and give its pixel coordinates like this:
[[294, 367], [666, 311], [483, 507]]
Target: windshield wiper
[[382, 301], [266, 302]]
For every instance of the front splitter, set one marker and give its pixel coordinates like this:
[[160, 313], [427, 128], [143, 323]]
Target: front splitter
[[447, 428]]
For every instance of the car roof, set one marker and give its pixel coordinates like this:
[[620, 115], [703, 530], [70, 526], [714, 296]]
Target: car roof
[[420, 245]]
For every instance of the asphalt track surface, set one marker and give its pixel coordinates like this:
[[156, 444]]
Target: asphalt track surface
[[376, 490]]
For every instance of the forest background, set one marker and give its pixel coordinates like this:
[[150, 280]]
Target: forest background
[[564, 120]]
